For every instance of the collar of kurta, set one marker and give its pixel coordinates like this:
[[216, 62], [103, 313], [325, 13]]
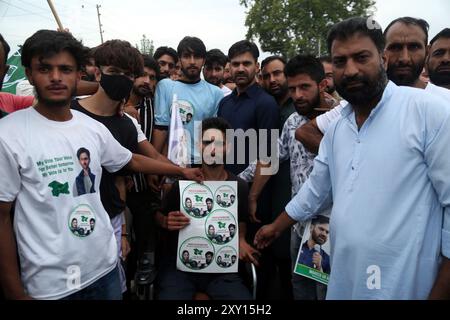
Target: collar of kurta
[[387, 94]]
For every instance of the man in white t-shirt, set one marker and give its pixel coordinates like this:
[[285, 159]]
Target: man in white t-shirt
[[39, 168]]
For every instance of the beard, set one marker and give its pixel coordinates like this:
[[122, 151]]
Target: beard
[[370, 89], [54, 103], [317, 239], [439, 78], [191, 73], [142, 91], [214, 81], [280, 92], [88, 77], [405, 79], [243, 79], [308, 106], [330, 90]]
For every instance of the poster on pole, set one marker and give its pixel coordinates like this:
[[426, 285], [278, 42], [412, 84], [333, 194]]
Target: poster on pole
[[210, 243]]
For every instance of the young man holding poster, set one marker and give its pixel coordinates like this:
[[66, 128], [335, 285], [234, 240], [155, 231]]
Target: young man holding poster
[[174, 284]]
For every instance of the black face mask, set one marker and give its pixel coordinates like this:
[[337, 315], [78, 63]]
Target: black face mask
[[117, 87]]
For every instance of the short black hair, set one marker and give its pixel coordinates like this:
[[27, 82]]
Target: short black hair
[[231, 225], [151, 63], [209, 199], [325, 59], [83, 150], [268, 60], [349, 27], [5, 46], [209, 253], [216, 123], [305, 64], [46, 43], [215, 56], [121, 54], [92, 220], [445, 33], [192, 45], [241, 47], [165, 50], [320, 220], [410, 21]]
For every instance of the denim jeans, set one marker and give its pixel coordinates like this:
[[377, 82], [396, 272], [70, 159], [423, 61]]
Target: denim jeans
[[106, 288]]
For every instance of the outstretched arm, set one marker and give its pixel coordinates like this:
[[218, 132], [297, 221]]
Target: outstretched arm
[[139, 163]]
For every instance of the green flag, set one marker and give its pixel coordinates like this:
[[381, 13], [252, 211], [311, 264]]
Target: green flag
[[16, 73]]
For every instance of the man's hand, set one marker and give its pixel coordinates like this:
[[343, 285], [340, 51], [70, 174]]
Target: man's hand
[[252, 208], [317, 260], [265, 236], [132, 111], [126, 248], [247, 253], [177, 221], [193, 174], [329, 101]]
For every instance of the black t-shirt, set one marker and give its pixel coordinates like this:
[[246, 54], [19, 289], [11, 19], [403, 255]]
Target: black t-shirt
[[172, 203], [124, 131]]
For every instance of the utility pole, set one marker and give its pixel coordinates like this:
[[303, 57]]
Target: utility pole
[[99, 23]]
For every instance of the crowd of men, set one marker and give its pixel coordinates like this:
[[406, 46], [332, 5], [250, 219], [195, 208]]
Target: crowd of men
[[362, 151]]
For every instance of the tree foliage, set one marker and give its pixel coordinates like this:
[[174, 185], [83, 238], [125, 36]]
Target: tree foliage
[[146, 46], [289, 27]]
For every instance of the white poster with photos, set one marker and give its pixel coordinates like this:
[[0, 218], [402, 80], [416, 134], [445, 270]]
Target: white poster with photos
[[210, 243]]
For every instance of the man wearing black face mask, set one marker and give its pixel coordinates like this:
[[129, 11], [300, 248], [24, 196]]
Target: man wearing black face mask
[[118, 65]]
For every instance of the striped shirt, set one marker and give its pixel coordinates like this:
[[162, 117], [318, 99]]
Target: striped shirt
[[147, 121]]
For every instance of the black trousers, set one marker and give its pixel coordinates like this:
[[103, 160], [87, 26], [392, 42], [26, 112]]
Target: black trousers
[[143, 206]]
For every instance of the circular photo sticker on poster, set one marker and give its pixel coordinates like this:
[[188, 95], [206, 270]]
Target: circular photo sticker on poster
[[225, 196], [226, 257], [82, 221], [186, 111], [196, 253], [220, 226], [197, 200]]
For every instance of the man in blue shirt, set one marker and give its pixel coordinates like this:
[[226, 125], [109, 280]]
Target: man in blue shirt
[[390, 222], [251, 109], [312, 254], [196, 98]]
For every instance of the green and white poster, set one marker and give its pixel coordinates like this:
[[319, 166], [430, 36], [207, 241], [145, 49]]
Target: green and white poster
[[313, 259], [210, 243], [16, 73]]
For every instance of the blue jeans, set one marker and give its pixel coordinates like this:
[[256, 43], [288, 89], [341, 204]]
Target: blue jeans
[[106, 288]]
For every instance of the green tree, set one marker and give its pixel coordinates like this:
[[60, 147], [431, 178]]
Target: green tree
[[146, 46], [289, 27]]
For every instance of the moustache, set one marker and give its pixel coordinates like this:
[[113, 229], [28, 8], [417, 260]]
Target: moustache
[[348, 81], [444, 67]]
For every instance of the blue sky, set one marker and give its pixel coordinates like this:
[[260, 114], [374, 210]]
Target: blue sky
[[218, 23]]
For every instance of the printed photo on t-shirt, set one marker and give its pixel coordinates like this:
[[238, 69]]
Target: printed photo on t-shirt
[[85, 180]]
